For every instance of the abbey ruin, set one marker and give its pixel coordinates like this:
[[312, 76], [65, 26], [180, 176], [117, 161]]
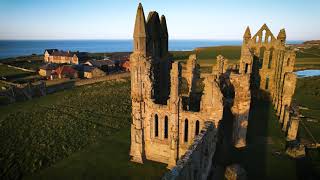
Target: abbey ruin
[[175, 122]]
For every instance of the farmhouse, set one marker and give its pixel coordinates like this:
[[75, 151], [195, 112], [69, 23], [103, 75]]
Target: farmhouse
[[64, 71], [64, 57], [46, 70], [105, 65], [92, 72]]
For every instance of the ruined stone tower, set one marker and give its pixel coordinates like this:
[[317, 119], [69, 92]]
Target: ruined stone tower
[[270, 65], [166, 121], [161, 129], [175, 121], [267, 60]]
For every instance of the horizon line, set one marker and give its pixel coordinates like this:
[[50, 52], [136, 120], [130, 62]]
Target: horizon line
[[120, 39]]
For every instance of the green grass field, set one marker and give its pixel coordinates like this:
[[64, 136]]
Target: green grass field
[[6, 71], [77, 130], [307, 95], [32, 62], [207, 56]]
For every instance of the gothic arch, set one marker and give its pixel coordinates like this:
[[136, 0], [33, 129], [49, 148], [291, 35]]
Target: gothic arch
[[166, 126], [186, 130]]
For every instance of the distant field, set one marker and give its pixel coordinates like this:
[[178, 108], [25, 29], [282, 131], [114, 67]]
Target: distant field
[[32, 62], [6, 71], [85, 129], [207, 56]]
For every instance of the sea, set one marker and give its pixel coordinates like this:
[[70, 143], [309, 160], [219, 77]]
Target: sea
[[15, 48]]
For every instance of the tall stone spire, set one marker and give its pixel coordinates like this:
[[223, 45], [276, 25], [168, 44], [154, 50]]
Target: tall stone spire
[[282, 36], [164, 28], [164, 36], [140, 32], [154, 34], [247, 33]]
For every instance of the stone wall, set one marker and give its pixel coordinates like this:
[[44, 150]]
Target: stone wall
[[197, 161], [240, 108], [270, 65], [22, 92]]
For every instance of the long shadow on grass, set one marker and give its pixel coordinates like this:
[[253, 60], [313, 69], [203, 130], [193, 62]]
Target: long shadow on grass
[[253, 156]]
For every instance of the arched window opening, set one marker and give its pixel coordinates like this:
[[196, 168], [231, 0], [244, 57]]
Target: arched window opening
[[267, 83], [186, 130], [257, 39], [166, 127], [288, 62], [156, 126], [263, 36], [261, 56], [197, 128], [269, 39], [246, 68], [270, 59]]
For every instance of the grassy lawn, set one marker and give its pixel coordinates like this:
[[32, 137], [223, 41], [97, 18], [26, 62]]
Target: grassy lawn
[[308, 95], [264, 156], [207, 56], [265, 138], [75, 130], [32, 62], [6, 71]]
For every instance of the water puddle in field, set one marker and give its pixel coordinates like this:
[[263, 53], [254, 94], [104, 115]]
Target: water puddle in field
[[308, 73]]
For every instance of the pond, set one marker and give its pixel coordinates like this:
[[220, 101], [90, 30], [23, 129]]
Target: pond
[[307, 73]]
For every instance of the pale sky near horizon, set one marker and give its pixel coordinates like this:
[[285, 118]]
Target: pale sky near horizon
[[186, 19]]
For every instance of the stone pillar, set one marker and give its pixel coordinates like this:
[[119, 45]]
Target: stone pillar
[[246, 60], [286, 118], [212, 100], [289, 86], [278, 79], [266, 59], [174, 116], [221, 66], [136, 149], [293, 128], [240, 108], [192, 71]]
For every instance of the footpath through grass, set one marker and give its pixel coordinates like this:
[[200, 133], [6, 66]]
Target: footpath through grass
[[71, 127]]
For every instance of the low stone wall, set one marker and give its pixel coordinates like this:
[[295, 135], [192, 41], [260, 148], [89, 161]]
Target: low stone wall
[[22, 92], [103, 78], [61, 86], [197, 161], [72, 83]]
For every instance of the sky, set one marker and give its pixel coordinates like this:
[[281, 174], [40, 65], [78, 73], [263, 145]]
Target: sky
[[186, 19]]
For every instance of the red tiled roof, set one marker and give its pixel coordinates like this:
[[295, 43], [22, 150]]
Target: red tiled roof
[[126, 65], [65, 70]]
